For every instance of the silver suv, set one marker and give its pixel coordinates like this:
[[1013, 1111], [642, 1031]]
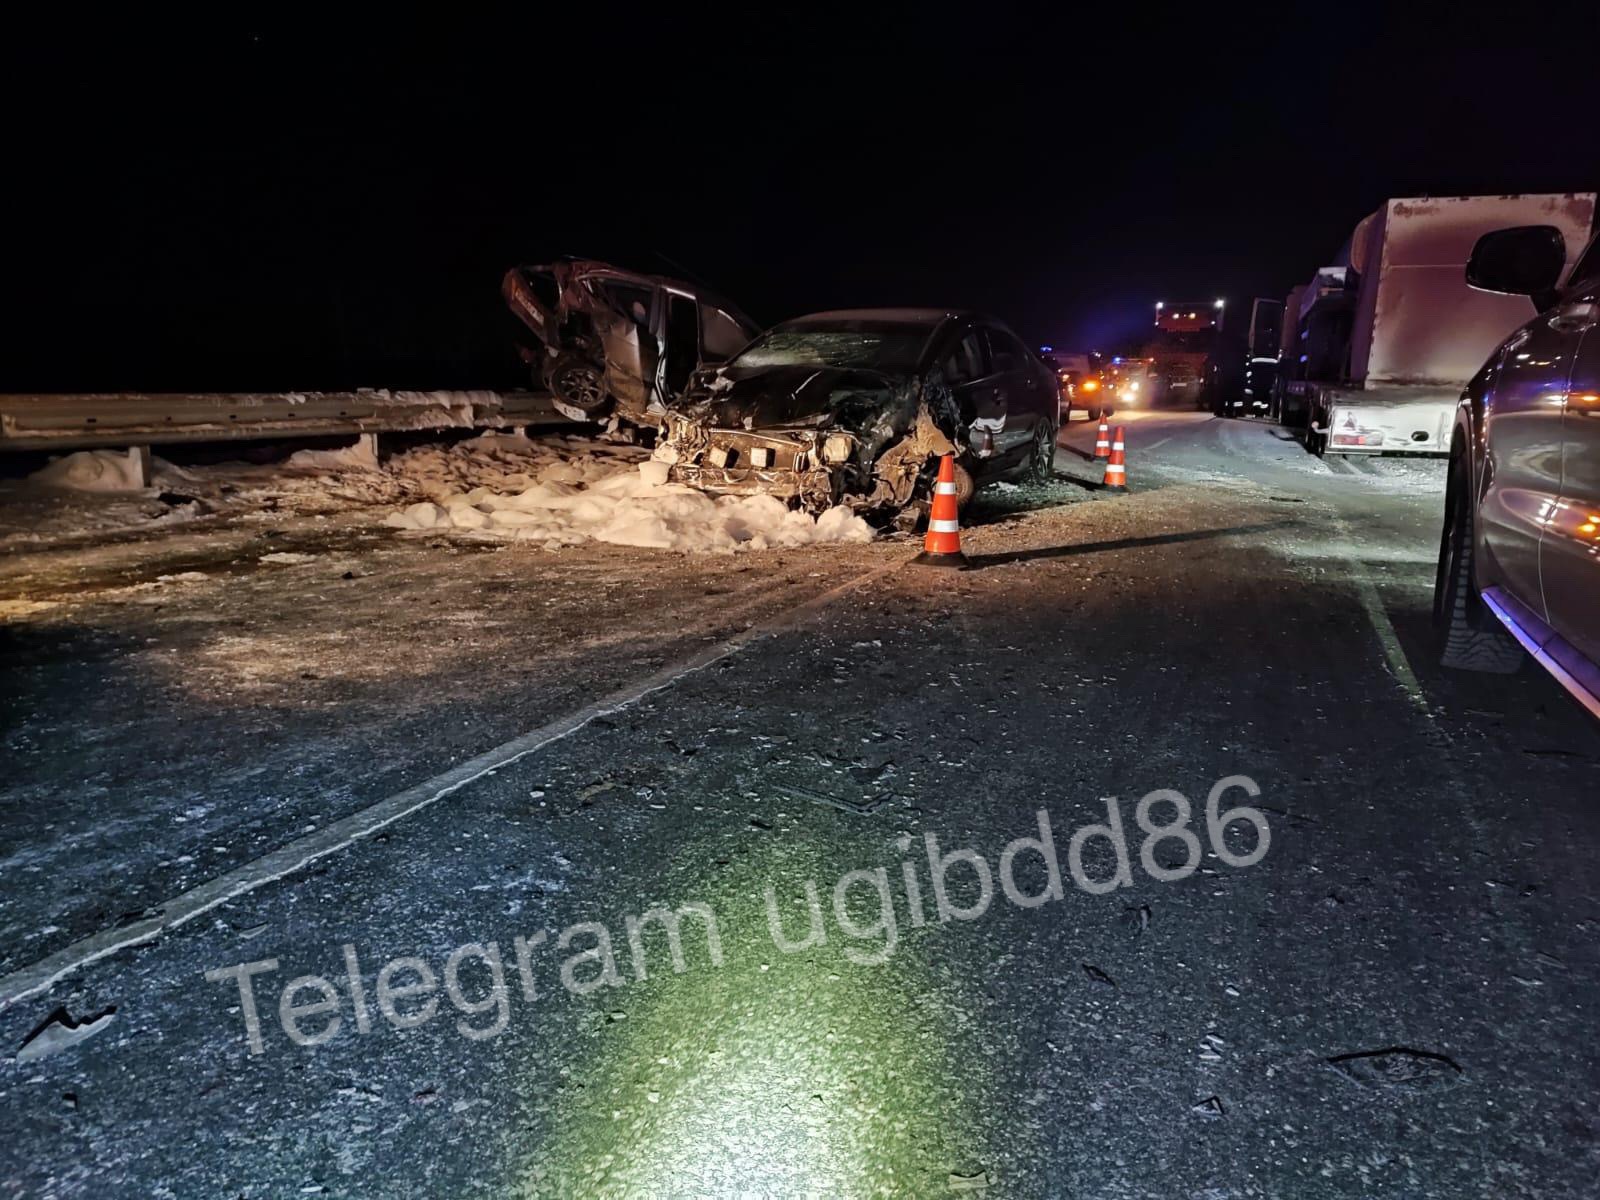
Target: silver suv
[[1519, 559]]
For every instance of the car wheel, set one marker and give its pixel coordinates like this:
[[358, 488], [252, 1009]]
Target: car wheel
[[1042, 456], [1471, 639], [577, 390]]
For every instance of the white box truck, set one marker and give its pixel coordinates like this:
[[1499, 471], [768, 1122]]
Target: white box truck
[[1387, 337]]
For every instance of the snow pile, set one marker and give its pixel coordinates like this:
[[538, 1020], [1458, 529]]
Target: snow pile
[[574, 502], [357, 457], [92, 471]]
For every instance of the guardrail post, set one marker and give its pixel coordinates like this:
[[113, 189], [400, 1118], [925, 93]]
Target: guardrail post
[[139, 458], [367, 444]]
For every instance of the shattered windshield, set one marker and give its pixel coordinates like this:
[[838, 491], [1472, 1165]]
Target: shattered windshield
[[885, 347]]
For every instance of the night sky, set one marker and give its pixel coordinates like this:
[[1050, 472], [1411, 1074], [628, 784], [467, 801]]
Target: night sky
[[283, 204]]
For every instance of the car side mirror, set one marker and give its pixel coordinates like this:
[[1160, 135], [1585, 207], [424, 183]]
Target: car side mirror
[[1525, 260]]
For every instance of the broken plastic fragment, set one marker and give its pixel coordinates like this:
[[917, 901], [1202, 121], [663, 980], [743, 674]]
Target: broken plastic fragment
[[1099, 976], [60, 1032], [1210, 1108], [1397, 1067]]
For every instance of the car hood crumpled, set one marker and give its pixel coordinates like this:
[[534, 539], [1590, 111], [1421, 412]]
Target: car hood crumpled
[[774, 397]]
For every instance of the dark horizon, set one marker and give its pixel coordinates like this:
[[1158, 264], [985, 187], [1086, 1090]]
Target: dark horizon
[[278, 207]]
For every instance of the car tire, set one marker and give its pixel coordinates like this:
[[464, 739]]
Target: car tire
[[1042, 454], [577, 389], [1471, 638]]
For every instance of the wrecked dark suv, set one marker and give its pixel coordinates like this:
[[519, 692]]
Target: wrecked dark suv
[[615, 343], [855, 408]]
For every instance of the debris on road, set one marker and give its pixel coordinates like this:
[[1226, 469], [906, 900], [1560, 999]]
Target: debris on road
[[1099, 976], [60, 1032], [555, 491], [1210, 1108], [1397, 1067]]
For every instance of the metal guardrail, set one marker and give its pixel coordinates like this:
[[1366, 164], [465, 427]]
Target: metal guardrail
[[79, 421]]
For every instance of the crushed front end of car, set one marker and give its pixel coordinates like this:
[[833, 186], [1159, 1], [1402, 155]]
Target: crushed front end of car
[[811, 436]]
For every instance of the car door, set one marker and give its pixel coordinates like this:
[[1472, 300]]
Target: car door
[[1013, 383], [1569, 557], [965, 364], [723, 334], [682, 354], [1520, 480], [626, 325]]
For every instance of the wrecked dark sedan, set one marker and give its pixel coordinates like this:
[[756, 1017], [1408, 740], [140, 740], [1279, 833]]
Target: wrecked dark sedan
[[856, 407], [614, 343]]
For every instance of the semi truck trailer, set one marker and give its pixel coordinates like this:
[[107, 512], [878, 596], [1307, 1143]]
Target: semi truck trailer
[[1380, 343]]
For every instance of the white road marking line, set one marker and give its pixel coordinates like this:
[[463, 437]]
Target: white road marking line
[[1378, 617], [1158, 443], [31, 980]]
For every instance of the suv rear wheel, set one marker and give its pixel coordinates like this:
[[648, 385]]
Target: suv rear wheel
[[1471, 639]]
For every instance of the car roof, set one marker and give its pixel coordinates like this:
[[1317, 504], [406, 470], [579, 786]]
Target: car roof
[[903, 316], [584, 267]]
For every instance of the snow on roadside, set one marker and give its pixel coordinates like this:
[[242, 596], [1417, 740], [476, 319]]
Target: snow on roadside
[[562, 500], [551, 491], [91, 471]]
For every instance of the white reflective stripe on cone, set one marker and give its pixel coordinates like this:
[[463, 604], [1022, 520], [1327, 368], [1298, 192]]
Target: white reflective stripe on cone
[[945, 526], [944, 489]]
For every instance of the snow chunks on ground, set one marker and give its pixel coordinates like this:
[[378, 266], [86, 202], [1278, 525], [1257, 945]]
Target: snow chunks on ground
[[92, 471], [568, 505]]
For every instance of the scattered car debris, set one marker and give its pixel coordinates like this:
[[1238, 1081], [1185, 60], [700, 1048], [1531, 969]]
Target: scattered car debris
[[1137, 918], [1397, 1067], [59, 1032], [1099, 976], [1210, 1108], [976, 1182], [860, 808]]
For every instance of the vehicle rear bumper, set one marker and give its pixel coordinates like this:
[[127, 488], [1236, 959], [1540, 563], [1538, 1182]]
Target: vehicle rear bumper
[[1356, 424]]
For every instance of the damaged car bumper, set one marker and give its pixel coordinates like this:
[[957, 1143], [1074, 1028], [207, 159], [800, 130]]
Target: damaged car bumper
[[808, 467]]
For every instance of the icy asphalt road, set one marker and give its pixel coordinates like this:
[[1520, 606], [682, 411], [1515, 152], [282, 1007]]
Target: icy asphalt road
[[1429, 888]]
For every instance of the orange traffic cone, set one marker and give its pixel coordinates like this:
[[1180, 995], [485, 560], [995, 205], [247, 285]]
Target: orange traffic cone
[[942, 546], [1102, 440], [1116, 479]]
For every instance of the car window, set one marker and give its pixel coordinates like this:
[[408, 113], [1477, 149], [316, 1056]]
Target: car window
[[964, 362], [879, 345], [628, 298], [720, 334], [1005, 352], [1588, 268]]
